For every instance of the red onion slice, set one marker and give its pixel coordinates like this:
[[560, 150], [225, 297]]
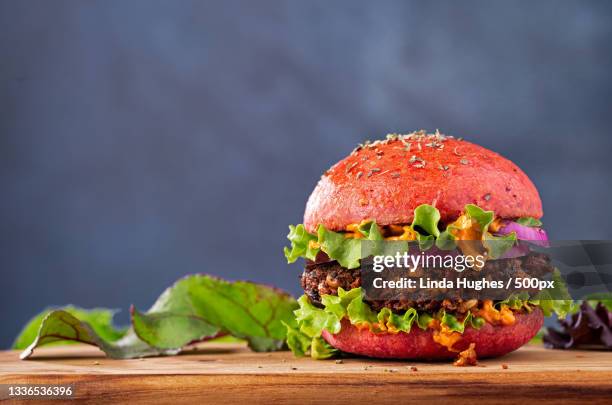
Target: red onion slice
[[536, 236]]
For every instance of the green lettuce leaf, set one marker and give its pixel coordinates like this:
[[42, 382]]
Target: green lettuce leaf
[[312, 321], [370, 230], [395, 321], [426, 218], [425, 241], [459, 326], [299, 343], [359, 312], [300, 244], [529, 221], [348, 251], [305, 338], [195, 308], [498, 245], [423, 320], [446, 241], [555, 300], [551, 301], [320, 349], [482, 217]]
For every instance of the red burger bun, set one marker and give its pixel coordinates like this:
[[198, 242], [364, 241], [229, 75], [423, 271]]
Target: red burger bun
[[386, 180], [490, 340]]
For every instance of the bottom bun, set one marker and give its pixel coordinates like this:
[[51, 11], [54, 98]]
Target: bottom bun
[[418, 344]]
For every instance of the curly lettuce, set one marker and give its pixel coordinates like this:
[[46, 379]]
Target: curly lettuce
[[347, 251], [555, 300], [529, 221], [304, 335], [551, 301], [305, 338]]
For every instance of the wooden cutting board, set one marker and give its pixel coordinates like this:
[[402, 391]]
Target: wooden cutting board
[[229, 373]]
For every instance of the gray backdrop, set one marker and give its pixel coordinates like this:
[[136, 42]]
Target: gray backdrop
[[144, 140]]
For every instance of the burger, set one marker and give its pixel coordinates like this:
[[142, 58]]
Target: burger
[[433, 190]]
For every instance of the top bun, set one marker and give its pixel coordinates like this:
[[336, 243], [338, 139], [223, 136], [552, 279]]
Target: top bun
[[386, 180]]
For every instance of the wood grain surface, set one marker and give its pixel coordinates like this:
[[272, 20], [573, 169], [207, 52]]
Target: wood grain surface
[[230, 373]]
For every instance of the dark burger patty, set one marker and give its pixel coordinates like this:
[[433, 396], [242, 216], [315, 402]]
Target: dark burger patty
[[325, 278]]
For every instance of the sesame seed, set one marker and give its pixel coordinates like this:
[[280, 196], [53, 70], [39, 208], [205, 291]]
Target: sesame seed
[[348, 169], [464, 161], [434, 140], [359, 174], [372, 171], [487, 197]]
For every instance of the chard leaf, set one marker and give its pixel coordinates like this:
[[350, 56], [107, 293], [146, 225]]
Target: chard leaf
[[195, 308], [99, 319], [60, 325], [201, 306], [160, 329]]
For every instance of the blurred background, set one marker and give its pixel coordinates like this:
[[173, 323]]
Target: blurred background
[[144, 140]]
